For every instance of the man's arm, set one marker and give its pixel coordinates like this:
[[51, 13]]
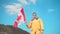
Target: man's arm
[[41, 25], [29, 25]]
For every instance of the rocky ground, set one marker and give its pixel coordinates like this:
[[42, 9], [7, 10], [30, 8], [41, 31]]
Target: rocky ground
[[10, 30]]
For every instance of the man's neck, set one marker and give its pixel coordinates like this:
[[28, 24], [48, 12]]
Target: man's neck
[[35, 18]]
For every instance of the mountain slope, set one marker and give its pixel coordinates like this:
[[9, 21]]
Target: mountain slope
[[10, 30]]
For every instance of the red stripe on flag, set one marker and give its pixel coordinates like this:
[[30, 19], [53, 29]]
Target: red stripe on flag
[[22, 11], [19, 17], [15, 24]]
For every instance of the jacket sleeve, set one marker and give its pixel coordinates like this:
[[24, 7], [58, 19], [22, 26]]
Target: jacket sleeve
[[29, 25], [41, 24]]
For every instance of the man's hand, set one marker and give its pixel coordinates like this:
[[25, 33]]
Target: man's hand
[[41, 31]]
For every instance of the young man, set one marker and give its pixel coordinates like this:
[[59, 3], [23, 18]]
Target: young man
[[36, 25]]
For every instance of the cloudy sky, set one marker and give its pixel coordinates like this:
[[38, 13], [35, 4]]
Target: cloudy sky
[[47, 10]]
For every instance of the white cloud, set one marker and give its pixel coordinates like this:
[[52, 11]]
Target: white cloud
[[23, 1], [33, 1], [51, 10], [13, 9]]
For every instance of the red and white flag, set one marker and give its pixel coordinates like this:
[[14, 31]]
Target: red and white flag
[[21, 18]]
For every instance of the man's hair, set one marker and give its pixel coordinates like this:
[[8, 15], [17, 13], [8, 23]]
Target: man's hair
[[34, 13]]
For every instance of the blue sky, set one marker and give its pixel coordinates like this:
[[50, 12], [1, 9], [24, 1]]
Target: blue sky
[[47, 10]]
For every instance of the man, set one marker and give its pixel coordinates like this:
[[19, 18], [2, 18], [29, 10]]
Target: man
[[36, 25]]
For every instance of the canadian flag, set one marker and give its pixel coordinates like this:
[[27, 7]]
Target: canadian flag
[[20, 18]]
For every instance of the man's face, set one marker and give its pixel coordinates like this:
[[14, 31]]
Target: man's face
[[34, 16]]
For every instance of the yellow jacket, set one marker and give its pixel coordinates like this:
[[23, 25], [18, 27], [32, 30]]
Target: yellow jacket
[[36, 24]]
